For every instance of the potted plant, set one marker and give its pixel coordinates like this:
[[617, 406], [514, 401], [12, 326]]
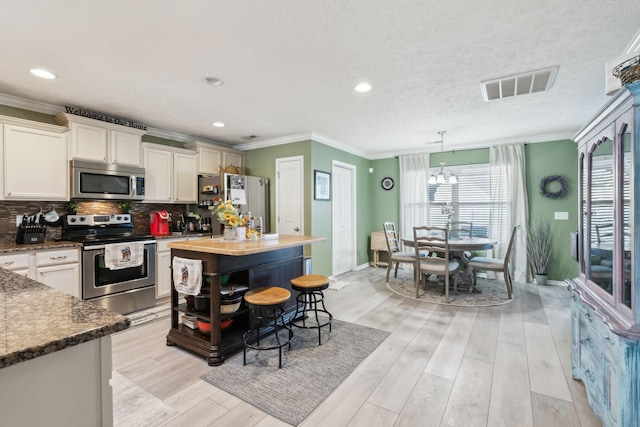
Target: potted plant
[[124, 206], [72, 207], [539, 249]]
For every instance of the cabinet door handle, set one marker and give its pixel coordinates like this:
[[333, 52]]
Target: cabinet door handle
[[589, 317], [58, 258], [7, 263]]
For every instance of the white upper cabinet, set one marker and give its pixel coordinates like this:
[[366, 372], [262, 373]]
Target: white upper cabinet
[[170, 174], [232, 159], [212, 158], [35, 160], [209, 161], [185, 178], [103, 142]]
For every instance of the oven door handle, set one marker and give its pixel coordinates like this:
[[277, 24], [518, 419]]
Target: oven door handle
[[98, 247]]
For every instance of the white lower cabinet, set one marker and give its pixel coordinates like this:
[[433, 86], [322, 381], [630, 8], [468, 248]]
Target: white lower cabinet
[[58, 268], [18, 263], [62, 277], [163, 266]]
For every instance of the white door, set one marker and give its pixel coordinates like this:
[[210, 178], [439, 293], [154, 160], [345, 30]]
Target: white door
[[343, 217], [289, 195]]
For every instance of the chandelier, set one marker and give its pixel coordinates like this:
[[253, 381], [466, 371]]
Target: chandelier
[[441, 176]]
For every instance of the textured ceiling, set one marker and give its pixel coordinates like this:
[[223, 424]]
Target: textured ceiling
[[289, 66]]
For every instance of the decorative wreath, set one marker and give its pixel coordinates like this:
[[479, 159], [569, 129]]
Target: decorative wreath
[[564, 187]]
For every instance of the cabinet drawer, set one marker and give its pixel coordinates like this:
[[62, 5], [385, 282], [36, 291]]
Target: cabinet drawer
[[15, 261], [162, 245], [64, 256]]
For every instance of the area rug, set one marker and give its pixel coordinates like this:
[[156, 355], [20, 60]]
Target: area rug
[[492, 292], [310, 372]]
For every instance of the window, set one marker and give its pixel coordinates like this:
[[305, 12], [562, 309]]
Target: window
[[470, 199]]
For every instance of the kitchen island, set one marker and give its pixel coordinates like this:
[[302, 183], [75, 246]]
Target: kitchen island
[[265, 262], [55, 356]]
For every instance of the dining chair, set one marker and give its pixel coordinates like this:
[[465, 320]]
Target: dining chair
[[460, 229], [435, 241], [495, 264], [393, 249]]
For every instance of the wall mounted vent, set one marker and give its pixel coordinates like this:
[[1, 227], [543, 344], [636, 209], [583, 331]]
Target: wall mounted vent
[[519, 84]]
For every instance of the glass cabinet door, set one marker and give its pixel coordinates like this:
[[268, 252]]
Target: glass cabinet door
[[601, 215], [627, 195]]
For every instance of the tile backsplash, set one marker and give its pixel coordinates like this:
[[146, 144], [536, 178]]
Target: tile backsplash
[[140, 212]]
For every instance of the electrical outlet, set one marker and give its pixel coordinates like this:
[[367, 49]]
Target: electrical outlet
[[561, 215]]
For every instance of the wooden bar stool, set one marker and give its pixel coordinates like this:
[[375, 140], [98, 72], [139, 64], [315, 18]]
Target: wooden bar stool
[[266, 306], [310, 287]]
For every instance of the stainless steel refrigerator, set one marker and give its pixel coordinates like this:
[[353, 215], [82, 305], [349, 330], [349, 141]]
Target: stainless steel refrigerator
[[248, 194]]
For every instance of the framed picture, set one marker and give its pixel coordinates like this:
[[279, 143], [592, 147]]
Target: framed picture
[[322, 185]]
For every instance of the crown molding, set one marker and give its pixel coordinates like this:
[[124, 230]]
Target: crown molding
[[304, 136], [53, 110], [557, 136], [15, 121], [187, 139], [28, 104]]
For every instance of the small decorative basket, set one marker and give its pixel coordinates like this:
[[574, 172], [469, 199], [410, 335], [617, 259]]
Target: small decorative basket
[[628, 71]]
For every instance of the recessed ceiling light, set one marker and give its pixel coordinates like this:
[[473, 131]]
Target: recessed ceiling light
[[218, 124], [213, 81], [363, 87], [42, 73]]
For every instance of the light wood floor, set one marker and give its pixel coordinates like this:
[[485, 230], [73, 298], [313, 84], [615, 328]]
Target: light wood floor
[[506, 365]]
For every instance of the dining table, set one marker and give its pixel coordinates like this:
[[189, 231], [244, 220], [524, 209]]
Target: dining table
[[459, 246]]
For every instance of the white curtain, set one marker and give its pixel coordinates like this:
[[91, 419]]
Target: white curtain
[[508, 188], [414, 193]]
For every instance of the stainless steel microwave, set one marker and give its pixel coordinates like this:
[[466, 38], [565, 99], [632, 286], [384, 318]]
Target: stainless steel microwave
[[95, 180]]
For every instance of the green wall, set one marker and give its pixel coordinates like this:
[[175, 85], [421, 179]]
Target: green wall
[[555, 158], [5, 110], [385, 204], [322, 158]]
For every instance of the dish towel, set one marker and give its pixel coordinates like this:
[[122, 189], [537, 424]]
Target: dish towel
[[123, 255], [187, 275]]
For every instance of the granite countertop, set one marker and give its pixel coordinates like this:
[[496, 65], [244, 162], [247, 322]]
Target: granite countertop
[[37, 320], [8, 247], [245, 247]]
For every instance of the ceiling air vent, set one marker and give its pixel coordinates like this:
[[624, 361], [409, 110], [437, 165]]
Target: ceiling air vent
[[249, 137], [519, 84]]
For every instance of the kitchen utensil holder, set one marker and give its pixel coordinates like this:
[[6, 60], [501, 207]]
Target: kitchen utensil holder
[[29, 234]]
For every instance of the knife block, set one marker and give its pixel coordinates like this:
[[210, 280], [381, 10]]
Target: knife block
[[31, 234]]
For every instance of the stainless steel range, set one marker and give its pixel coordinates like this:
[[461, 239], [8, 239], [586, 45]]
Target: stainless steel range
[[120, 289]]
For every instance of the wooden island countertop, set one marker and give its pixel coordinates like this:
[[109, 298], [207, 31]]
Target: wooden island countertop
[[217, 245]]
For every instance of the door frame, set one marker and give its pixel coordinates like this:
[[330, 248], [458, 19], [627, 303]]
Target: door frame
[[354, 231]]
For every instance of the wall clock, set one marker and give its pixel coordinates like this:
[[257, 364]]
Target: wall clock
[[387, 183]]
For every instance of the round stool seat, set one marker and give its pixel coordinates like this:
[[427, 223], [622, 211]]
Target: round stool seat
[[310, 281], [310, 302], [271, 295], [266, 305]]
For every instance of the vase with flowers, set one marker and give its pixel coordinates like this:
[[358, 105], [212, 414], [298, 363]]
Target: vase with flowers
[[228, 216]]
